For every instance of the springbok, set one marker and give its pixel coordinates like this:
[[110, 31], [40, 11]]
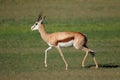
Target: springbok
[[63, 39]]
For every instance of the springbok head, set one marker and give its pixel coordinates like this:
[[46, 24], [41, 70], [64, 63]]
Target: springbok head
[[38, 23]]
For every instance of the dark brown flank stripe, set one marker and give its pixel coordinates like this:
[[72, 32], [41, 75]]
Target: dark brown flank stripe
[[64, 40]]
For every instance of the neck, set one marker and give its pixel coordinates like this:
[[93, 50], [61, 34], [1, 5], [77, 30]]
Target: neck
[[43, 32]]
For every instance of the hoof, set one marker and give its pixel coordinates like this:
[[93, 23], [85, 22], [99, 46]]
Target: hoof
[[46, 65], [94, 67], [66, 67], [83, 66]]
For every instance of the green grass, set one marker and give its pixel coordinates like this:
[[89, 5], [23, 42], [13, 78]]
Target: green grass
[[22, 51]]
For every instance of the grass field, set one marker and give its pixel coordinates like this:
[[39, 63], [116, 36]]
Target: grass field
[[22, 51]]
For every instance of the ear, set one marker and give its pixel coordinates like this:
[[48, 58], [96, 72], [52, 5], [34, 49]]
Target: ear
[[44, 17]]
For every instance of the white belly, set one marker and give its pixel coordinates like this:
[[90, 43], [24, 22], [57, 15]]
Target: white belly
[[66, 44]]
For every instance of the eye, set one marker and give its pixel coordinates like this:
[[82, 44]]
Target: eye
[[36, 23]]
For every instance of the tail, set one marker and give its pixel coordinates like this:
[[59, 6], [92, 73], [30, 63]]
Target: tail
[[92, 52], [87, 49]]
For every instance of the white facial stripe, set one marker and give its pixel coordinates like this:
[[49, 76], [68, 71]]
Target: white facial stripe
[[35, 26], [66, 44], [32, 27]]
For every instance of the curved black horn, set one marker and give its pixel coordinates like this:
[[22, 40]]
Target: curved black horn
[[39, 18]]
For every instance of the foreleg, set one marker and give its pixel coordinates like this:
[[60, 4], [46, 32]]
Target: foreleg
[[46, 51], [61, 54]]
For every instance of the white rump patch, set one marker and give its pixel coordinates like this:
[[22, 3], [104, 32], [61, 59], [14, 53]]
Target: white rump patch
[[66, 44]]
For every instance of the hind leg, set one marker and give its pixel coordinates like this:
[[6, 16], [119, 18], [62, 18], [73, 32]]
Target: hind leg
[[77, 46], [87, 51], [94, 59], [93, 55]]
